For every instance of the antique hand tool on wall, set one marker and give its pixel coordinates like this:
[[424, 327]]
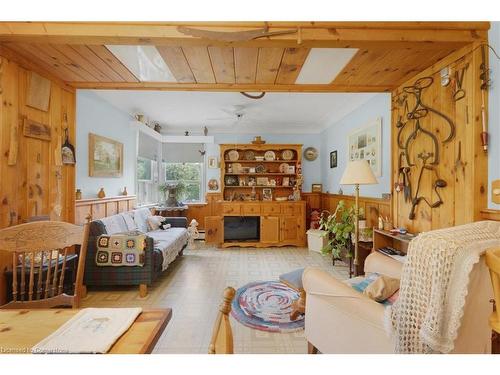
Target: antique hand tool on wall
[[458, 91], [485, 84], [438, 184]]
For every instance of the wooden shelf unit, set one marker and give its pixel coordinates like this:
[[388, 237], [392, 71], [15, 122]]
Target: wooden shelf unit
[[272, 169], [382, 238]]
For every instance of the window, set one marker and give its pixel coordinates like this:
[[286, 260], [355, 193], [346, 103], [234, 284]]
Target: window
[[189, 176], [147, 180]]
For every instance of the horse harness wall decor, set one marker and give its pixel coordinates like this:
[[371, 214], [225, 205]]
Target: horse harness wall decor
[[427, 160]]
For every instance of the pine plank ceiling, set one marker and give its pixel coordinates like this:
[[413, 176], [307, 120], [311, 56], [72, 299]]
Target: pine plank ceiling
[[387, 53]]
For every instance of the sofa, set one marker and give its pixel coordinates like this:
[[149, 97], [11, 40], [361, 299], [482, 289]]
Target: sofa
[[162, 248], [340, 320]]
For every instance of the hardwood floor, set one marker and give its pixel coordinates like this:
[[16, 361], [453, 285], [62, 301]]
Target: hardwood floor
[[192, 286]]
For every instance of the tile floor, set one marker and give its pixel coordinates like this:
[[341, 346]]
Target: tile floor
[[192, 286]]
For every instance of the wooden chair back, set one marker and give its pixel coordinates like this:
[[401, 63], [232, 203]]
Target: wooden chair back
[[222, 336], [493, 263], [40, 249]]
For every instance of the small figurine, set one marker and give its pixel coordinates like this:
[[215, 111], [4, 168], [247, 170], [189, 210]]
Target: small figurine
[[125, 192], [380, 223], [205, 131], [193, 233], [315, 218], [78, 194], [101, 193], [341, 192]]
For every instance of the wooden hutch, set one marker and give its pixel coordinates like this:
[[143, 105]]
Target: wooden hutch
[[259, 180]]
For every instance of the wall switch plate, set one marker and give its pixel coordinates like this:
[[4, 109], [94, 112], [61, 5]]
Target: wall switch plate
[[495, 191]]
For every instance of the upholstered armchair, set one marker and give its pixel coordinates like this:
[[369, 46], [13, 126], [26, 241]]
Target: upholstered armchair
[[341, 320]]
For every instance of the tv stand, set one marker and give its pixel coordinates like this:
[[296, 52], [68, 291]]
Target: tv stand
[[281, 223]]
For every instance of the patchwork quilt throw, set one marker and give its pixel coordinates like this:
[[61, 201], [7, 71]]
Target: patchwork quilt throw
[[121, 249]]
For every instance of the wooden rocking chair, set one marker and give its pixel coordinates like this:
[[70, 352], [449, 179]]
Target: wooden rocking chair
[[41, 249], [222, 336]]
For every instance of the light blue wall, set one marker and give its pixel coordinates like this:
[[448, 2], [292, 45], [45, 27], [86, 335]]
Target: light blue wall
[[310, 169], [494, 112], [335, 138], [94, 115]]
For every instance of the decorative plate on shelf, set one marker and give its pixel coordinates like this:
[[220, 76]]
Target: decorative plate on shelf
[[233, 155], [249, 155], [270, 155], [260, 169], [283, 168], [310, 153], [231, 181], [287, 154]]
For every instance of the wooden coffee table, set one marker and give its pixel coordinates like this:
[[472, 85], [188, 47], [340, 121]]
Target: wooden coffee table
[[20, 330]]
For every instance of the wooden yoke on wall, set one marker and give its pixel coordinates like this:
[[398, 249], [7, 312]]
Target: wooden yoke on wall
[[439, 143]]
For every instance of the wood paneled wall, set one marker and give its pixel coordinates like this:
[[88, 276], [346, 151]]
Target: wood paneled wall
[[31, 184], [466, 191]]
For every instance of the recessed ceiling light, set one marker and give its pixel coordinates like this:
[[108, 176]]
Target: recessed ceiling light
[[144, 62], [322, 65]]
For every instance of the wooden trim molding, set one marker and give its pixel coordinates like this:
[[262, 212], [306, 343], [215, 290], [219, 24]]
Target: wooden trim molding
[[99, 208], [489, 214]]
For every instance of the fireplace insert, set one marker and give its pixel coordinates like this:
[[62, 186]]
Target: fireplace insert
[[242, 228]]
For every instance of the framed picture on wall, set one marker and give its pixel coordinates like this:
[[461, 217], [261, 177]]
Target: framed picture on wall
[[212, 162], [105, 157], [366, 144], [333, 159], [317, 188]]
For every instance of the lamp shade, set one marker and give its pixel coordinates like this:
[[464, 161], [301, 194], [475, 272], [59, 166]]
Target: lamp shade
[[358, 172]]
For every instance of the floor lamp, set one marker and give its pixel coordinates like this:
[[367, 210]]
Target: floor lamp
[[357, 173]]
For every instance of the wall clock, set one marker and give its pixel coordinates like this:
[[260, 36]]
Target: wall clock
[[310, 153]]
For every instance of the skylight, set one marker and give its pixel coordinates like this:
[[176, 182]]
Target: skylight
[[324, 64], [144, 62]]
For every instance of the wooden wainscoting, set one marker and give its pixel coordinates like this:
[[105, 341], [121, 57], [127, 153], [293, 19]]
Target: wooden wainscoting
[[98, 208], [372, 207]]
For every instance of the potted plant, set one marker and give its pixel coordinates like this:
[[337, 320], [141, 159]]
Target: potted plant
[[339, 227], [170, 192]]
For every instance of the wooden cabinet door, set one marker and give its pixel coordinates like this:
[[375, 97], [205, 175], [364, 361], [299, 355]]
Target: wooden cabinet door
[[289, 228], [270, 229], [214, 230]]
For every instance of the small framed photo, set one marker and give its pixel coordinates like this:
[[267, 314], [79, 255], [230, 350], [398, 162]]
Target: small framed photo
[[212, 162], [286, 181], [333, 159], [317, 188], [267, 194], [291, 169]]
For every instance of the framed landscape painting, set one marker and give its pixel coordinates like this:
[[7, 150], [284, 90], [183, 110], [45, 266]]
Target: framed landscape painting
[[105, 157]]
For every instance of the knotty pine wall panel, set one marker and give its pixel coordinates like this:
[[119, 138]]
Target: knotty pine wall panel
[[462, 164], [32, 184]]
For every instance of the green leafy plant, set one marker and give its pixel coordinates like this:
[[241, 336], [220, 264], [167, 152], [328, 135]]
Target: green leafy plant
[[339, 226]]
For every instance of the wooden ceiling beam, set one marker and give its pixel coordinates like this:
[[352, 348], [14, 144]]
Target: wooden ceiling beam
[[429, 35], [172, 86]]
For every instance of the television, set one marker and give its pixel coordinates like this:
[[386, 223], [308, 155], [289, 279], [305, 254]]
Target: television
[[242, 228]]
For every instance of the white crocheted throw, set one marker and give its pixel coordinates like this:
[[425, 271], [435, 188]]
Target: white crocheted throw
[[434, 283]]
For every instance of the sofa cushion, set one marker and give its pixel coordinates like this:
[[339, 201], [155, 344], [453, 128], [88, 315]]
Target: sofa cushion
[[129, 220], [140, 217], [114, 224], [170, 242], [154, 222]]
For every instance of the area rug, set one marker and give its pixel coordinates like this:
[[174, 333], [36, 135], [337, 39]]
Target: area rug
[[266, 306]]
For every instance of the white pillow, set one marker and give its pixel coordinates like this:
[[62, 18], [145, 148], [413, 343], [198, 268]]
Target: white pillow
[[154, 222], [140, 217], [129, 220]]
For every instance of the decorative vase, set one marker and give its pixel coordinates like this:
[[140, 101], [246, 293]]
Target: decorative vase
[[101, 193], [125, 192], [78, 194]]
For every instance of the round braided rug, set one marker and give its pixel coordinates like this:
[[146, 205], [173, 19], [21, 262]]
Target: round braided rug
[[266, 306]]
